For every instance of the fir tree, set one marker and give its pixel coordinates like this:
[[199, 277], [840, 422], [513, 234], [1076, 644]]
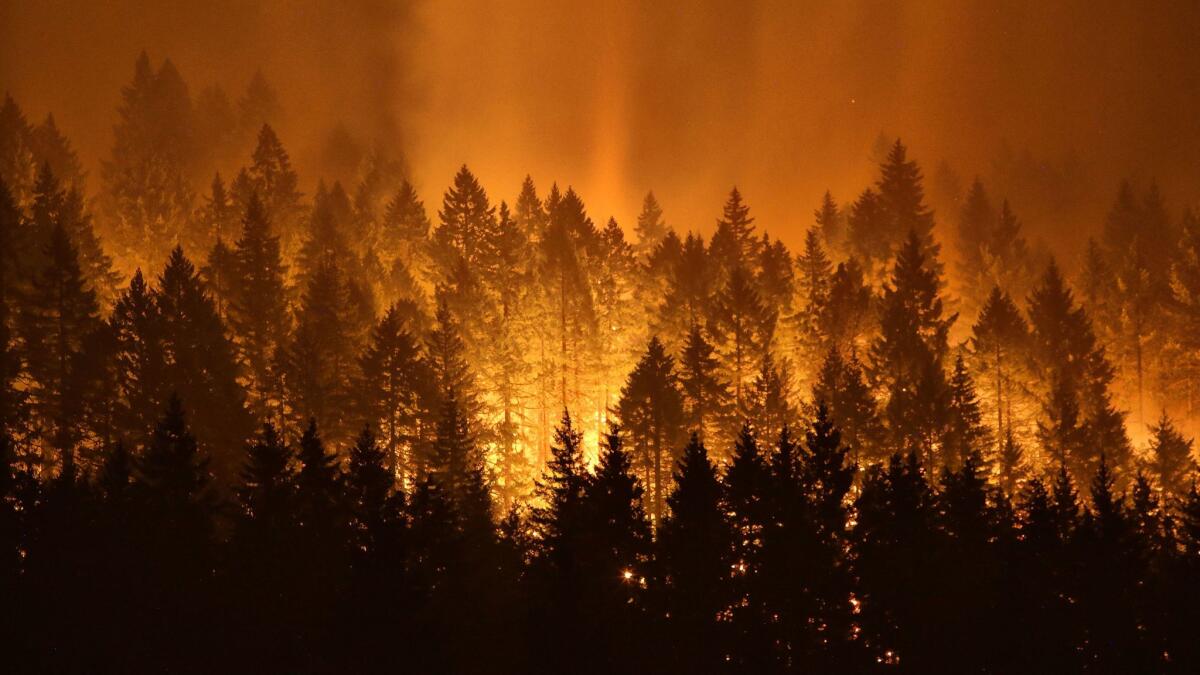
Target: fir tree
[[738, 319], [650, 228], [734, 244], [965, 435], [694, 544], [907, 356], [56, 318], [321, 356], [707, 406], [1171, 463], [147, 190], [841, 388], [258, 313], [651, 414], [847, 313], [830, 224], [468, 225], [200, 363], [997, 351], [392, 392]]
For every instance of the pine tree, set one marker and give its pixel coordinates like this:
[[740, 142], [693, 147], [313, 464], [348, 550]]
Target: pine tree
[[738, 319], [142, 379], [376, 506], [18, 165], [215, 220], [393, 391], [457, 465], [997, 350], [707, 405], [404, 231], [468, 225], [1171, 462], [258, 106], [907, 357], [892, 540], [201, 366], [965, 435], [557, 522], [1011, 464], [56, 319], [744, 499], [734, 244], [322, 354], [650, 228], [847, 314], [826, 475], [694, 544], [869, 233], [841, 389], [768, 404], [903, 200], [258, 312], [147, 190], [1077, 376], [173, 482], [689, 290], [271, 176], [651, 414], [830, 224], [813, 286]]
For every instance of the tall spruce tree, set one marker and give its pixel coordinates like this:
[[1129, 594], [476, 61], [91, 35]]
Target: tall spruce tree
[[707, 406], [651, 414]]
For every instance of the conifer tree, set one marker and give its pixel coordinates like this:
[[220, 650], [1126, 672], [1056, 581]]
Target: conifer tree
[[744, 499], [651, 414], [768, 404], [142, 381], [965, 434], [903, 200], [404, 232], [734, 244], [738, 319], [147, 190], [892, 540], [813, 286], [201, 365], [842, 389], [258, 313], [322, 354], [215, 220], [907, 357], [707, 406], [688, 292], [1011, 464], [18, 164], [56, 318], [558, 521], [650, 228], [869, 233], [271, 176], [467, 228], [830, 224], [1076, 381], [847, 314], [393, 391], [376, 506], [997, 350], [694, 545], [1171, 464]]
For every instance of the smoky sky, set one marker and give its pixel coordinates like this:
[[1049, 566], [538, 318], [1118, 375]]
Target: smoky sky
[[784, 99]]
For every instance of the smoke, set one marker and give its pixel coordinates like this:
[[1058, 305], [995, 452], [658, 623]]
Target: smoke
[[617, 97]]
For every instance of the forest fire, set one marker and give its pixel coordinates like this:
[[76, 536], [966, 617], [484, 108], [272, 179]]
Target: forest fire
[[590, 337]]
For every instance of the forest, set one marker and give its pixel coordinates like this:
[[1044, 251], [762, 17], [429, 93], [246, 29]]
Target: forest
[[250, 427]]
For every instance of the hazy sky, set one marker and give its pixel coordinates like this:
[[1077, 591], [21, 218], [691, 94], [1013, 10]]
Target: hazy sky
[[783, 98]]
